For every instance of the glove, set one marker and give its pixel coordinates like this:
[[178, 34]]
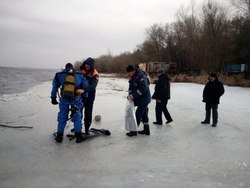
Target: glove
[[54, 101]]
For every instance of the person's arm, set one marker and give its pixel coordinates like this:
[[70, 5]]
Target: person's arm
[[55, 85], [142, 87], [93, 83]]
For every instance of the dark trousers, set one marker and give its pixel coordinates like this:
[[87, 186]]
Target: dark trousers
[[141, 115], [162, 107], [88, 110], [214, 108]]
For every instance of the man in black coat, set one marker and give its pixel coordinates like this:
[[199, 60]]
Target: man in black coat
[[212, 92], [162, 95]]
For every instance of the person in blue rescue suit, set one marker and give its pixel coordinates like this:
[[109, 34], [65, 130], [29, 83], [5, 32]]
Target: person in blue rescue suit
[[162, 95], [80, 85], [139, 93], [212, 92], [92, 76]]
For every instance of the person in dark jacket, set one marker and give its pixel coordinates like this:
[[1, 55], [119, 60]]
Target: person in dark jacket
[[162, 95], [139, 93], [78, 85], [212, 92], [92, 76]]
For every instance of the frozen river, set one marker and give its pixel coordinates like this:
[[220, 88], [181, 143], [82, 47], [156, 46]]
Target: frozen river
[[183, 154]]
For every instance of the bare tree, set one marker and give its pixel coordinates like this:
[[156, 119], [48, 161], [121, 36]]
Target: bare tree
[[215, 27], [242, 6]]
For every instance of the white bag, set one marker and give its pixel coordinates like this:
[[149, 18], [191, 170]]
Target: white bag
[[130, 119]]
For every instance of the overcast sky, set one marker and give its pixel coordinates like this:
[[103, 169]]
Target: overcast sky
[[50, 33]]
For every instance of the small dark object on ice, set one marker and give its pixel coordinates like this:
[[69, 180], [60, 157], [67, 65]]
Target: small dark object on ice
[[102, 131]]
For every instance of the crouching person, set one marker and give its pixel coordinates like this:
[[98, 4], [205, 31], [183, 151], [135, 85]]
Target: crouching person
[[72, 84]]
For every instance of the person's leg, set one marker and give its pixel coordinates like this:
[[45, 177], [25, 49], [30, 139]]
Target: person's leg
[[138, 114], [215, 114], [158, 113], [208, 113], [166, 112], [62, 118], [78, 120], [145, 121], [88, 114]]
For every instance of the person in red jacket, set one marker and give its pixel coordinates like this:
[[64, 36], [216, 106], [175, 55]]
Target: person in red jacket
[[92, 76]]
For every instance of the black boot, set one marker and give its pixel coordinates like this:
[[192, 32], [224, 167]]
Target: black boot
[[205, 122], [79, 137], [59, 137], [145, 131], [131, 133], [87, 128]]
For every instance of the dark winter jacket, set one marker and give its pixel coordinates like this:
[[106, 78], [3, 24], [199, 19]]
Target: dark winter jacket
[[162, 88], [92, 78], [213, 91], [139, 89]]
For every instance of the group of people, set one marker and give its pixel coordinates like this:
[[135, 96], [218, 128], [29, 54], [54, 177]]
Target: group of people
[[78, 90], [139, 93]]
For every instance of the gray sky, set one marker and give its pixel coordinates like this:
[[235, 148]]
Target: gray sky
[[50, 33]]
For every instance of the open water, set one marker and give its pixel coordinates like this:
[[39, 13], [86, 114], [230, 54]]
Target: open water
[[17, 80]]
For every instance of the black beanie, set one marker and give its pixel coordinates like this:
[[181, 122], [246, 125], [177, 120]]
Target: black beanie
[[214, 75], [68, 66], [130, 68]]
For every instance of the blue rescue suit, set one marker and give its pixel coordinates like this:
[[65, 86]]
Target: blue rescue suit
[[62, 118]]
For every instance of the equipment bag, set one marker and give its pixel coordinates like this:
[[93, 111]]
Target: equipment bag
[[68, 89]]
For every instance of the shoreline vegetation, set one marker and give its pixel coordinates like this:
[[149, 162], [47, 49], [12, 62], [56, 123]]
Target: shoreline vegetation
[[229, 80]]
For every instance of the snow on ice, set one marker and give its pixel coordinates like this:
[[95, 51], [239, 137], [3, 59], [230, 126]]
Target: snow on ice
[[182, 154]]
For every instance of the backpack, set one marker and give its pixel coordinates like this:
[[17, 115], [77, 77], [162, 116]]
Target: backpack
[[68, 89]]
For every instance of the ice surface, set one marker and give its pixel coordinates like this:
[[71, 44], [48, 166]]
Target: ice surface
[[183, 154]]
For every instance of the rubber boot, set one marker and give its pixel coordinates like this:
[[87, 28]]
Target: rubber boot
[[131, 133], [145, 131], [59, 137], [79, 137]]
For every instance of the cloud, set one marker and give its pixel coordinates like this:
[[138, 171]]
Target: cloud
[[51, 32]]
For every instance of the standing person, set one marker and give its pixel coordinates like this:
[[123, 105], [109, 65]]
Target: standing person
[[139, 93], [72, 85], [162, 95], [212, 92], [92, 76]]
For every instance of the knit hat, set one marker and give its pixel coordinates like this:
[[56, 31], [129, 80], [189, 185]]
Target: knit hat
[[214, 75], [130, 68]]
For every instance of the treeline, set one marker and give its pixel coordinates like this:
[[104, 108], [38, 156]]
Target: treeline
[[204, 37]]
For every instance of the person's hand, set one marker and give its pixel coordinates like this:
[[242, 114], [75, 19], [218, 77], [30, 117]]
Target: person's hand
[[130, 98], [79, 91], [54, 101]]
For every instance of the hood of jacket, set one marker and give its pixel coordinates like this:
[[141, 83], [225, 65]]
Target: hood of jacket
[[90, 61]]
